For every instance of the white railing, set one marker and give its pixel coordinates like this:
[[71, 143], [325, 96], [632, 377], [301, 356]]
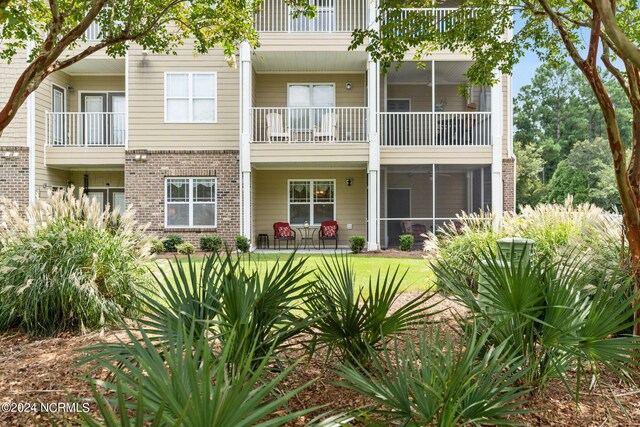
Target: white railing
[[85, 129], [332, 16], [435, 129], [93, 32], [306, 124], [440, 18]]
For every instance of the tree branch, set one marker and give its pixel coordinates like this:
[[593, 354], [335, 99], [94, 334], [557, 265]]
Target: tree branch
[[618, 37]]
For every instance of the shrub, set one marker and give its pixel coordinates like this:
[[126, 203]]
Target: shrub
[[237, 306], [438, 383], [185, 248], [171, 242], [180, 382], [242, 244], [357, 244], [553, 314], [65, 267], [353, 321], [157, 247], [583, 229], [211, 243], [406, 242]]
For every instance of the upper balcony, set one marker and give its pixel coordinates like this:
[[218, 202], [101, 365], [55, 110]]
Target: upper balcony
[[85, 139]]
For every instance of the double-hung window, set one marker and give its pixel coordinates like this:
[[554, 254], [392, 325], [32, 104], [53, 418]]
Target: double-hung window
[[190, 202], [312, 200], [190, 97]]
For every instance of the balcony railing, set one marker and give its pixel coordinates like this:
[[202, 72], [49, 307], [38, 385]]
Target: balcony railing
[[85, 129], [440, 18], [93, 32], [332, 16], [435, 129], [307, 124]]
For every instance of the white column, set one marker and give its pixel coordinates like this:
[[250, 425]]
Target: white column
[[373, 101], [497, 129], [245, 138]]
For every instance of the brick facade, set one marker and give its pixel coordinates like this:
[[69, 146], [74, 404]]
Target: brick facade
[[144, 188], [14, 174], [509, 184]]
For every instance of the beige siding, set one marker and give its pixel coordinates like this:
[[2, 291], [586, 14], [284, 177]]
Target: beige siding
[[310, 153], [99, 179], [44, 174], [271, 89], [506, 83], [301, 42], [439, 155], [16, 132], [271, 199], [71, 157], [147, 129]]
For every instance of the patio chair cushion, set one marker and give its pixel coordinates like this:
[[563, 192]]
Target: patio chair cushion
[[329, 229], [283, 231]]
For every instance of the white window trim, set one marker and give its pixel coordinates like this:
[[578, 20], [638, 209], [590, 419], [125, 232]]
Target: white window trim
[[190, 202], [311, 181], [190, 97]]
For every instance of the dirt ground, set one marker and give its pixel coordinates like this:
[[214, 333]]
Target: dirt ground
[[34, 370]]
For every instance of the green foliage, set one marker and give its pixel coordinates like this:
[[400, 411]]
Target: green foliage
[[584, 229], [171, 242], [242, 244], [356, 243], [438, 383], [529, 168], [553, 314], [211, 243], [406, 242], [64, 267], [586, 175], [183, 382], [353, 321], [236, 306], [157, 247], [185, 248]]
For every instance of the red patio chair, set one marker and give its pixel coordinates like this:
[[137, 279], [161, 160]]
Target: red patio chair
[[282, 231], [328, 231]]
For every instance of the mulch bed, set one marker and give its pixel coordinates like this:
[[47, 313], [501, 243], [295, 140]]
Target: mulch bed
[[42, 370]]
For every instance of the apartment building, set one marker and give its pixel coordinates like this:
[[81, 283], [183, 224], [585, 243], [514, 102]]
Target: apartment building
[[301, 130]]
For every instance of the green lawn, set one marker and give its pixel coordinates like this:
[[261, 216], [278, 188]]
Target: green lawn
[[419, 275]]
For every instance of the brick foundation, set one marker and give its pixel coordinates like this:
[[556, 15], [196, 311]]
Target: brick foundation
[[144, 186], [509, 184], [14, 174]]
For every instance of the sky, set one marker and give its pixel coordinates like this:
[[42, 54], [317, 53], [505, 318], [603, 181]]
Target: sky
[[523, 71]]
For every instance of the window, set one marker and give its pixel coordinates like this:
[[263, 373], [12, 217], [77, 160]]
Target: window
[[190, 202], [190, 97], [312, 100], [312, 200]]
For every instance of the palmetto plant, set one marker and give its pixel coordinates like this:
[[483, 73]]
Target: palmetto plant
[[554, 314], [438, 383], [237, 306], [180, 382], [354, 320]]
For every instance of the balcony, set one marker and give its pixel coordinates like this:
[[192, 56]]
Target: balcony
[[435, 129], [292, 125], [88, 140], [85, 129], [332, 16], [439, 18], [93, 32]]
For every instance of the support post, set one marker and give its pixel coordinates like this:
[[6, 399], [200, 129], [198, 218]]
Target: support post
[[245, 139], [373, 102], [497, 129]]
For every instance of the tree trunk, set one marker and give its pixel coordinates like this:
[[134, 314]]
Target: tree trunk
[[632, 231]]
